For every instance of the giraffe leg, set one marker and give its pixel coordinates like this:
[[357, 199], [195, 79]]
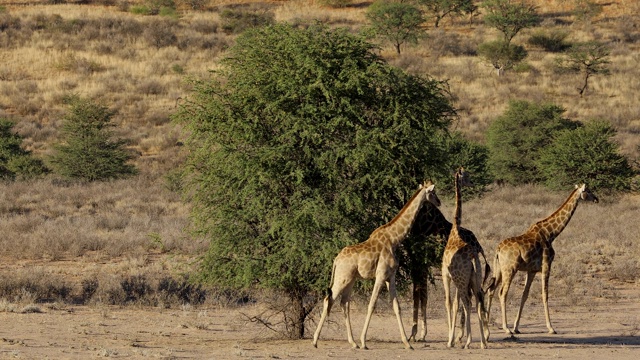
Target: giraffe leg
[[446, 282], [545, 298], [504, 290], [391, 286], [345, 310], [466, 305], [326, 308], [484, 328], [454, 316], [424, 297], [478, 292], [416, 305], [497, 282], [456, 305], [372, 306], [525, 295]]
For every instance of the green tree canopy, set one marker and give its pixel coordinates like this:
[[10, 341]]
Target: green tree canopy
[[396, 22], [305, 142], [501, 54], [509, 17], [87, 150], [516, 138], [16, 162], [586, 155], [443, 8]]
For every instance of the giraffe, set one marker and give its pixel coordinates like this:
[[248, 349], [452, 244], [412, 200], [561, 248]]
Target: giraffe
[[532, 252], [431, 221], [374, 258], [461, 264]]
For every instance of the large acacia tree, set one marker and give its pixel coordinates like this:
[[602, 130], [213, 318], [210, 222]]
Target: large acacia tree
[[305, 141]]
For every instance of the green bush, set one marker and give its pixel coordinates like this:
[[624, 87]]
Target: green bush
[[15, 162], [586, 155], [501, 54], [87, 151], [516, 138]]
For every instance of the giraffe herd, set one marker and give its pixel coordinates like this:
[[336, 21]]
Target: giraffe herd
[[376, 258]]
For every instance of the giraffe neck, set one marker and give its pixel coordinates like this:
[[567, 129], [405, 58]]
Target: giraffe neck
[[553, 225], [457, 216], [398, 228], [431, 221]]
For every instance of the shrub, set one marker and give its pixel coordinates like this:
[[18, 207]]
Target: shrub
[[87, 151], [336, 3], [502, 55], [16, 162], [516, 138], [235, 21], [586, 155], [161, 33], [553, 41]]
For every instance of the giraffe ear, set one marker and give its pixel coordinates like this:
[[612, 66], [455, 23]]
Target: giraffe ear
[[431, 187]]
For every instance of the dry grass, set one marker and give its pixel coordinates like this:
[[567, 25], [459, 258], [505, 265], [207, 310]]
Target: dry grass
[[87, 240]]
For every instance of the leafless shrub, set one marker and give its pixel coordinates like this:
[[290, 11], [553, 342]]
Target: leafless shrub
[[70, 62], [626, 270], [151, 87], [161, 33], [443, 43], [204, 26]]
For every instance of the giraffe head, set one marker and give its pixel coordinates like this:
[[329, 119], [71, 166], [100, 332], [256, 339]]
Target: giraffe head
[[430, 194], [586, 194], [463, 177]]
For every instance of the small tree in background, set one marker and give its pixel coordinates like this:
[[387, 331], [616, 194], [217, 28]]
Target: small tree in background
[[502, 55], [588, 59], [509, 17], [443, 8], [516, 138], [585, 10], [87, 150], [15, 162], [586, 155], [396, 22]]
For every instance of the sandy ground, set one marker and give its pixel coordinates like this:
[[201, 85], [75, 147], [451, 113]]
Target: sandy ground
[[601, 330]]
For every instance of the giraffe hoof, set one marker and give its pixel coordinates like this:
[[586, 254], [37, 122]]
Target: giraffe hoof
[[552, 331], [516, 331]]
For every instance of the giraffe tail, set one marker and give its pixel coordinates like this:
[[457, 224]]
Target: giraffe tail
[[495, 279], [333, 271], [487, 269]]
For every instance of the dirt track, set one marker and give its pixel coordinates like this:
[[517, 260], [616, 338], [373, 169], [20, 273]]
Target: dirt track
[[606, 329]]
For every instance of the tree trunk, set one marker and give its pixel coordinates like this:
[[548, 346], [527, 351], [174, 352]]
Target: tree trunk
[[584, 86], [296, 316]]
